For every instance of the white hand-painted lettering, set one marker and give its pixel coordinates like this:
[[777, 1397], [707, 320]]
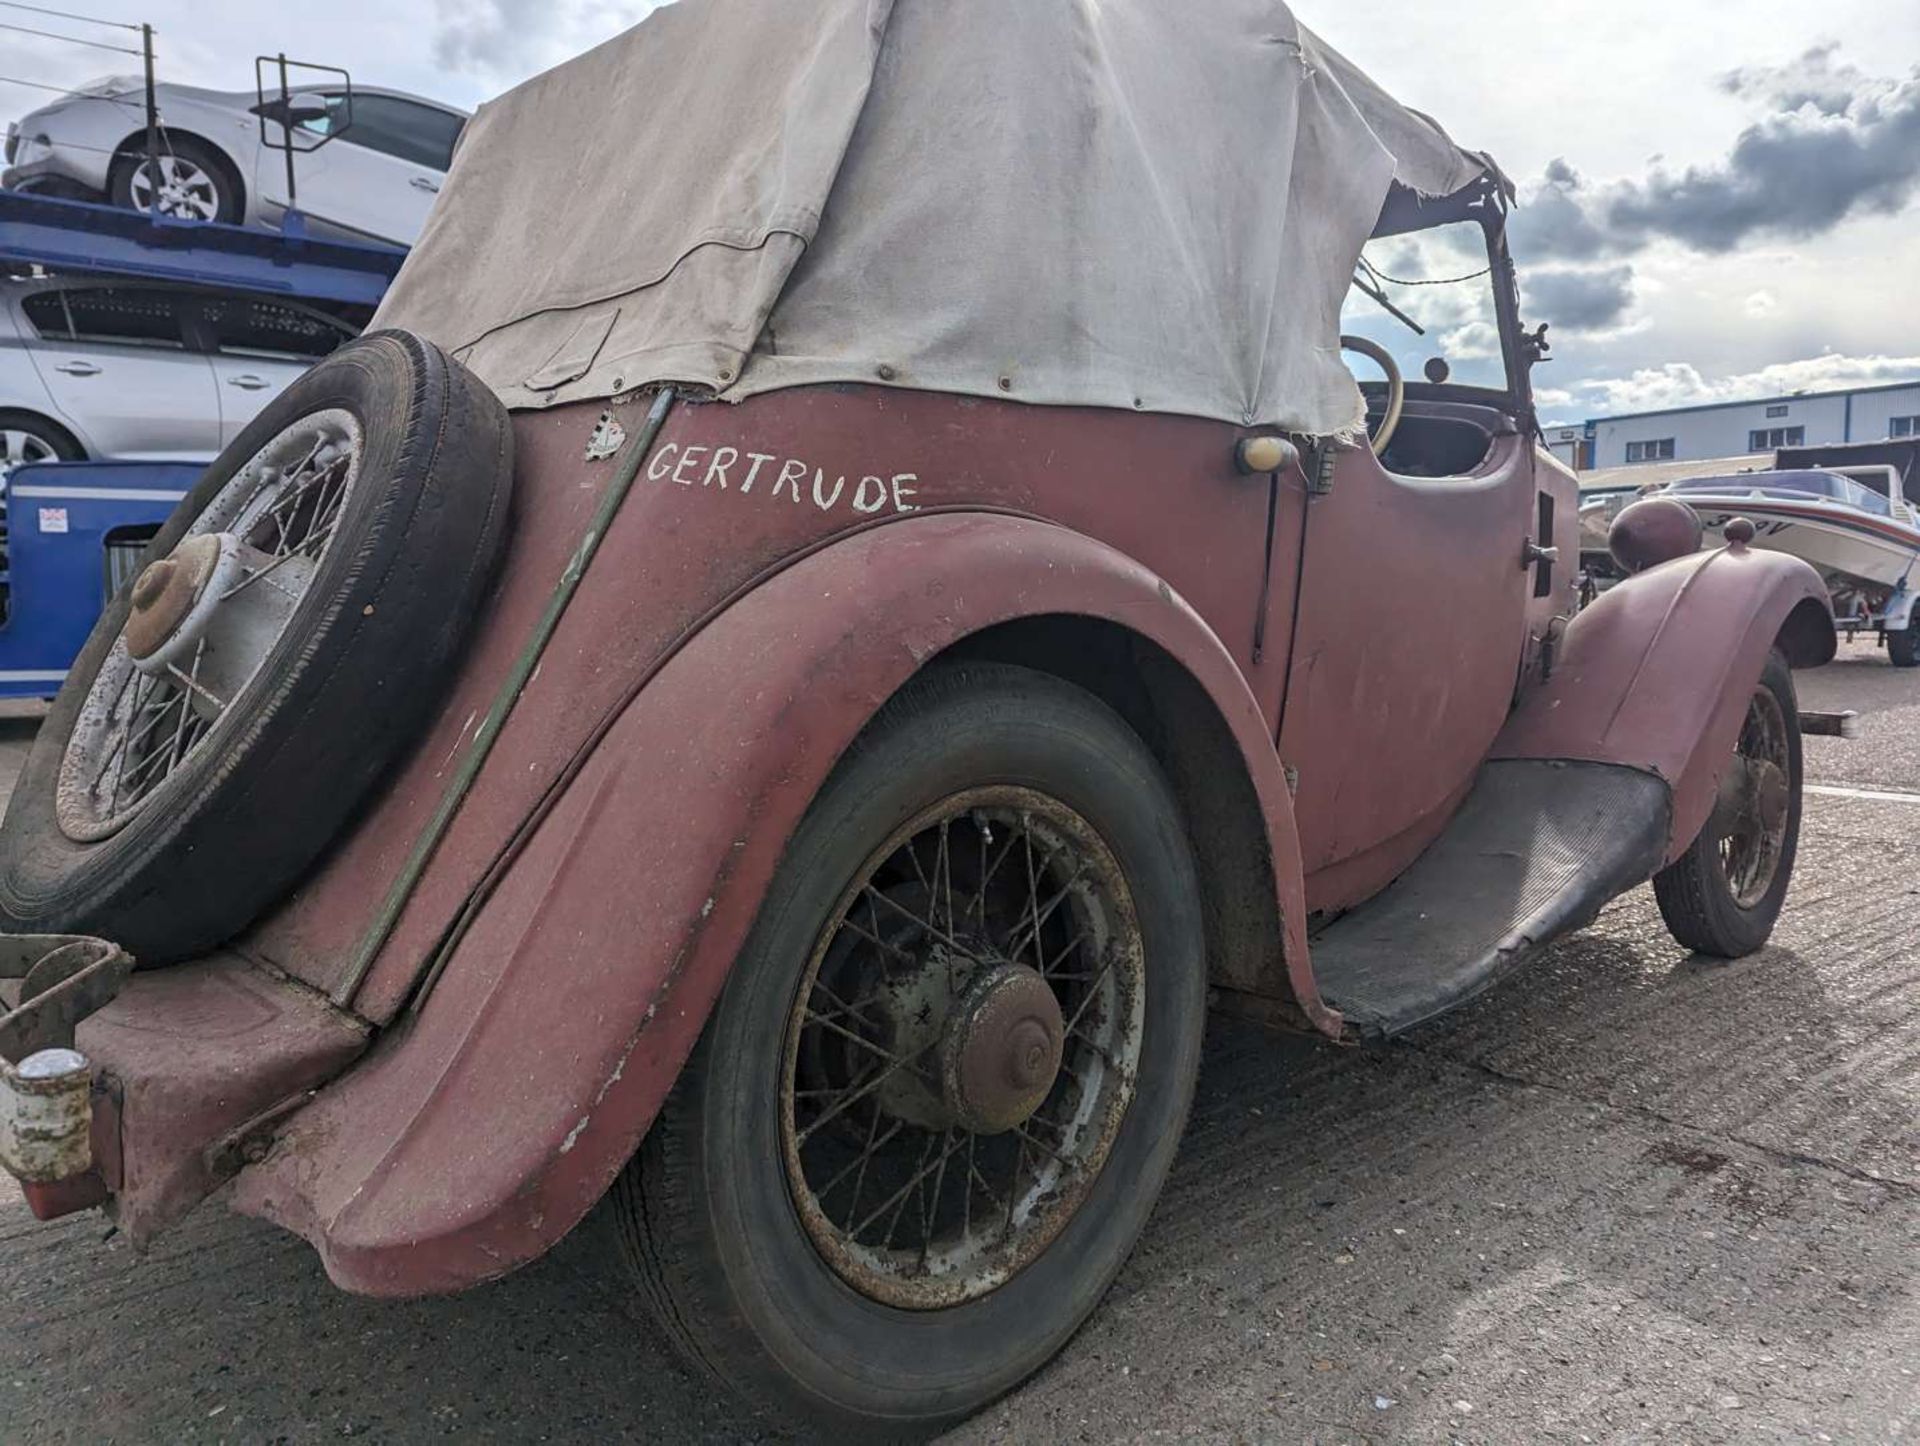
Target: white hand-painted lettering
[[860, 502], [688, 454], [717, 468], [710, 465], [792, 473], [822, 502], [760, 459]]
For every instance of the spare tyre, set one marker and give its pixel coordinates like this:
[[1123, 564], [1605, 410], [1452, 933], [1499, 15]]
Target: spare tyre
[[294, 622]]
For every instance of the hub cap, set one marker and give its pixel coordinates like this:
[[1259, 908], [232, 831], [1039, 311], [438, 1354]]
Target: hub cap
[[202, 621], [186, 190], [1755, 802], [963, 1048]]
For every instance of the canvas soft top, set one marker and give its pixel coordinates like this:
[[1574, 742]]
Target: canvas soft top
[[1120, 203]]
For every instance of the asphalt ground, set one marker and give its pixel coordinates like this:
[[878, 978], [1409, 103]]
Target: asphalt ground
[[1628, 1196]]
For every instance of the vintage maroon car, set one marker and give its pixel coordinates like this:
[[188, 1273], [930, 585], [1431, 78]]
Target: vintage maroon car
[[851, 594]]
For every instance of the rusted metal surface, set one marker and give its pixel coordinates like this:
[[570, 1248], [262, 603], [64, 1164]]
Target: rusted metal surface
[[1658, 673], [974, 1044], [46, 1117], [188, 1053], [1652, 531], [469, 1144], [730, 495], [1412, 627], [63, 979], [165, 593]]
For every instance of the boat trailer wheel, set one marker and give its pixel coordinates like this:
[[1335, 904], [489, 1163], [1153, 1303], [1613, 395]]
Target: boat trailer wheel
[[962, 1048]]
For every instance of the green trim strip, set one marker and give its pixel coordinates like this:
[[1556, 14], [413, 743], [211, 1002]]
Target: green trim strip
[[484, 737]]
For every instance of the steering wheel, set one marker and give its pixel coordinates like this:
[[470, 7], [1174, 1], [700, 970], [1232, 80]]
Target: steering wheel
[[1396, 388]]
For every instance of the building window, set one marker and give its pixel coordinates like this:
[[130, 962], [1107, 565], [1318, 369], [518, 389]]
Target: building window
[[1904, 427], [1660, 450], [1766, 439], [1779, 409]]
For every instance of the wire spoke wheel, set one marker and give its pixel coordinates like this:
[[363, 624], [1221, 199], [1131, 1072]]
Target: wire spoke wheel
[[963, 1048], [1753, 804], [203, 621]]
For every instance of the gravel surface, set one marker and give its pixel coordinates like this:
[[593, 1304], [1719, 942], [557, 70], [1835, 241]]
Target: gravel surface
[[1628, 1196]]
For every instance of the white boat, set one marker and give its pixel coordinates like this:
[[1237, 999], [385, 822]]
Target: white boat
[[1864, 541]]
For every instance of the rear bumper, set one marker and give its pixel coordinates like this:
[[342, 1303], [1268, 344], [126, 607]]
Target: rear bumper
[[155, 1090]]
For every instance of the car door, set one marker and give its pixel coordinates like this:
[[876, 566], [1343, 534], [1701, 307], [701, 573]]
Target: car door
[[379, 171], [258, 345], [1418, 597], [116, 361]]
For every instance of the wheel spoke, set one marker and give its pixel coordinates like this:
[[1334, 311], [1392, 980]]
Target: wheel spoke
[[927, 924], [875, 1135]]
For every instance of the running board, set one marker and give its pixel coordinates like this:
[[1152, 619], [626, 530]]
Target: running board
[[1534, 852]]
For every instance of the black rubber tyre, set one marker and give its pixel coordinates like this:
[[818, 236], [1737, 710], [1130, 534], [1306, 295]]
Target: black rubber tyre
[[705, 1210], [229, 199], [345, 688], [1903, 647], [51, 436], [1698, 903]]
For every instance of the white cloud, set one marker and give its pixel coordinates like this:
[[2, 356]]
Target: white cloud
[[1681, 384], [1761, 303]]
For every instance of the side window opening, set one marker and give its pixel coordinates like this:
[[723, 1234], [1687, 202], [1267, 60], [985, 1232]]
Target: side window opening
[[123, 316], [261, 326]]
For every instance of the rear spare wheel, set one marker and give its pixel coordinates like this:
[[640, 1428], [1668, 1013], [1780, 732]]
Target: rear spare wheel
[[295, 620]]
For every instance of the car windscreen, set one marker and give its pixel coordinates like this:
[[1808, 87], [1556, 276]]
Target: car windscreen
[[1440, 280]]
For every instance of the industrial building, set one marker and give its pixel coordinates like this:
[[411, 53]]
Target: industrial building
[[1729, 429]]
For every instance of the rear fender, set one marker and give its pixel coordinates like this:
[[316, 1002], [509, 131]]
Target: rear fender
[[485, 1127], [1657, 673]]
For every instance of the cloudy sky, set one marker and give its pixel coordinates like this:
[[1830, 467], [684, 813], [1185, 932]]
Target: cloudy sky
[[1718, 201]]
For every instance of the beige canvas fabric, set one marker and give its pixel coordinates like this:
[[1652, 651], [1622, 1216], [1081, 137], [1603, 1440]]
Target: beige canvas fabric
[[1124, 203]]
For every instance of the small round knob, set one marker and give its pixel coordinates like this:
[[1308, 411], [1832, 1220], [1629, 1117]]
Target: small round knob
[[1738, 532], [1263, 454]]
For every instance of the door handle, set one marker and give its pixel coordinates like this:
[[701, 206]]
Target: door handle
[[1532, 553], [248, 382], [422, 183], [78, 369]]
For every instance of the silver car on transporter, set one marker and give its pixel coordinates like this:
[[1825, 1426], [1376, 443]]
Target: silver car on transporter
[[375, 180], [146, 370]]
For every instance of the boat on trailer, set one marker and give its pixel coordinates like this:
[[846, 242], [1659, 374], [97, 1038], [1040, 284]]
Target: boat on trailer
[[1855, 526]]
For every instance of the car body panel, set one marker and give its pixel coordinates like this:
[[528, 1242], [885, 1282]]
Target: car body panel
[[468, 1143], [179, 402], [1377, 664], [1657, 673], [154, 403], [1163, 490]]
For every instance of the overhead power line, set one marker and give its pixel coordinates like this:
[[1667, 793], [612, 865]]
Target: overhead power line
[[68, 15], [72, 39]]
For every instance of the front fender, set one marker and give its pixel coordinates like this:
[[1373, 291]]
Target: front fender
[[485, 1127], [1657, 673]]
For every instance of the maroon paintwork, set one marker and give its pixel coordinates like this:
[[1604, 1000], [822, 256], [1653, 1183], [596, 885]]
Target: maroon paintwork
[[780, 569], [1657, 673]]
